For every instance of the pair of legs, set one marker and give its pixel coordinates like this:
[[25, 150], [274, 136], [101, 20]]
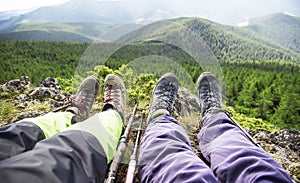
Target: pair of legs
[[166, 154], [66, 146]]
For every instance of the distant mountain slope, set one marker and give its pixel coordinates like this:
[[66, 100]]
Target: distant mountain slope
[[119, 31], [45, 36], [275, 38], [76, 11], [281, 28], [228, 43], [118, 12], [91, 29], [69, 32]]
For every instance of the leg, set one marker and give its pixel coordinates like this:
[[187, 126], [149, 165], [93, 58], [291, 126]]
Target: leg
[[233, 157], [17, 138], [23, 135], [79, 154], [70, 156], [166, 155]]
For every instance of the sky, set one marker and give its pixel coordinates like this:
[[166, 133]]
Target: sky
[[225, 11], [9, 5]]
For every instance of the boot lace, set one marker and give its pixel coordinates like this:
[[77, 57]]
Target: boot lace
[[166, 94], [83, 100], [112, 94], [210, 96]]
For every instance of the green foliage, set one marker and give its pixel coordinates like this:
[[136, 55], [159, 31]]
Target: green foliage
[[237, 44], [252, 123], [38, 59], [66, 84], [45, 35], [141, 91], [266, 90], [7, 111], [5, 95], [283, 29], [138, 86]]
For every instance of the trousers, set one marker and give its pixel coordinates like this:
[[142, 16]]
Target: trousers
[[49, 149], [229, 156]]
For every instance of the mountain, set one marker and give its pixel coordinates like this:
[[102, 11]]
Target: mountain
[[77, 11], [282, 29], [275, 37], [69, 32], [228, 43], [118, 12]]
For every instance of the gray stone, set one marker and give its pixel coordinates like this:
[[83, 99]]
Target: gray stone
[[18, 85], [186, 103]]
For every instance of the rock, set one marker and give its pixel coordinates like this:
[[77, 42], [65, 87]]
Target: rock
[[49, 88], [44, 92], [284, 146], [23, 115], [17, 85], [50, 82], [48, 91], [186, 103]]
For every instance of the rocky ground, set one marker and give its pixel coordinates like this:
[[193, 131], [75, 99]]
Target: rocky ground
[[283, 145]]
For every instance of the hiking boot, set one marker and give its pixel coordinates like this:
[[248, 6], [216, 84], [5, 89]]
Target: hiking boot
[[85, 98], [163, 96], [114, 94], [209, 92]]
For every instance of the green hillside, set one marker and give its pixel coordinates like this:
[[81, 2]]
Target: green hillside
[[39, 59], [274, 37], [228, 43], [45, 35], [67, 32], [281, 28]]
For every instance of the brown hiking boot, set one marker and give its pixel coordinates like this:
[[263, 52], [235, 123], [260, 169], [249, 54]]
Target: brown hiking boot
[[85, 98], [114, 94], [210, 95], [163, 96]]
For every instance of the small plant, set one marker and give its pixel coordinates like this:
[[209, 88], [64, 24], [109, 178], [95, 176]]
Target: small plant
[[7, 112], [252, 123]]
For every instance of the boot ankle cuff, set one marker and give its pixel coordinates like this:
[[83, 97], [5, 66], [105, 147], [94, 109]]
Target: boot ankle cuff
[[108, 106], [214, 111], [156, 114], [73, 110]]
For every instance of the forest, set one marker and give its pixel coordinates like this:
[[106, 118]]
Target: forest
[[267, 89]]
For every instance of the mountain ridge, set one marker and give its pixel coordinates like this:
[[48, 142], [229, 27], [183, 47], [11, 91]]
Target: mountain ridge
[[283, 29], [227, 42]]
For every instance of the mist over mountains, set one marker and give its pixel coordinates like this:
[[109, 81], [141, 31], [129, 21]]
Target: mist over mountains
[[86, 11], [124, 11]]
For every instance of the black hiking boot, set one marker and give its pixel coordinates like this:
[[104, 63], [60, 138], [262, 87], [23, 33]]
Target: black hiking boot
[[85, 98], [114, 94], [163, 96], [210, 95]]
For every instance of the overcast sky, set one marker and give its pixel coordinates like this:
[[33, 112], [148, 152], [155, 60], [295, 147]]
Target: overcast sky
[[225, 11]]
